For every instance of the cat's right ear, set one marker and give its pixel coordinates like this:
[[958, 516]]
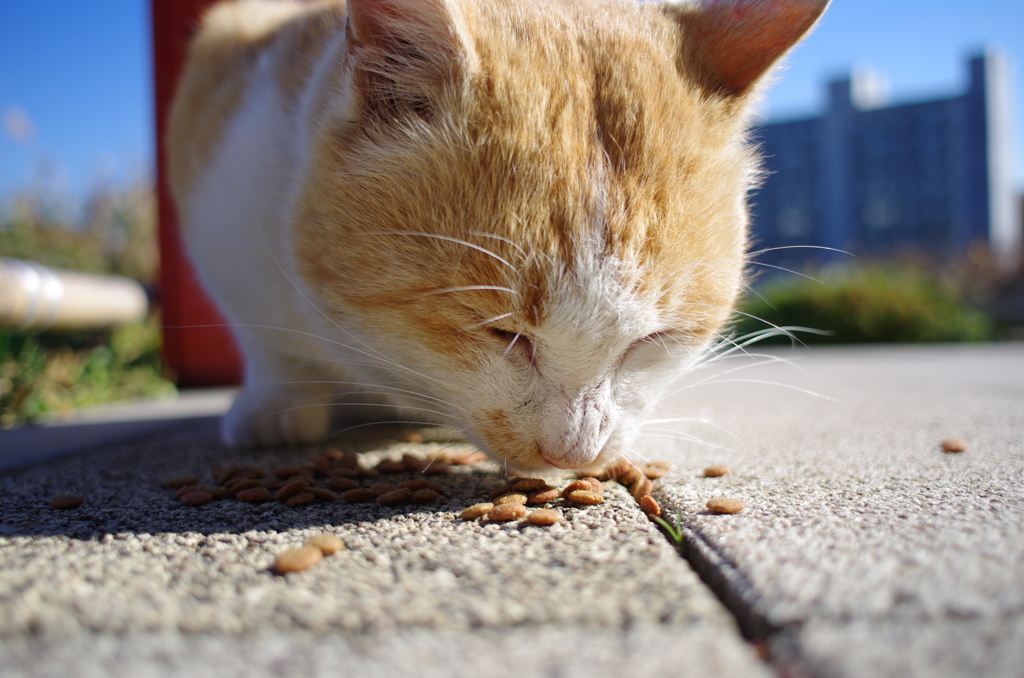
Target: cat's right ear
[[405, 53], [729, 45]]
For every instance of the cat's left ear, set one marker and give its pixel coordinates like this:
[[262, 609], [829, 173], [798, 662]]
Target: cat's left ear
[[729, 45]]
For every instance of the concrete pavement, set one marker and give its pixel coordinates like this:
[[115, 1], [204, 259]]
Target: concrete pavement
[[863, 551]]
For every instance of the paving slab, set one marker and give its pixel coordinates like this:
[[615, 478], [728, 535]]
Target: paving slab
[[864, 549], [134, 580]]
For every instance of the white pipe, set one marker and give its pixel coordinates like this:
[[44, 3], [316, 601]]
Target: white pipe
[[34, 297]]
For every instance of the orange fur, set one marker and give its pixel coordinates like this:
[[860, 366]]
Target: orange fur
[[571, 172]]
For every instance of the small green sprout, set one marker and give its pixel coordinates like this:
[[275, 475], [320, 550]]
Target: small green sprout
[[675, 532]]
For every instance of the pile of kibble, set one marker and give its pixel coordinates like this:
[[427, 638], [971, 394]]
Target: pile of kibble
[[329, 476]]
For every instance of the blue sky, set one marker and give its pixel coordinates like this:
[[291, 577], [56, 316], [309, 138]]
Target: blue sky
[[75, 84]]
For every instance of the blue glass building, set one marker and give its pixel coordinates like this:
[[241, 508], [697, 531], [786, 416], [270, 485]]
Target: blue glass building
[[933, 176]]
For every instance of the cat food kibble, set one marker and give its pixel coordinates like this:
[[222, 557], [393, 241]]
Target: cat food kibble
[[65, 502], [322, 494], [498, 491], [394, 496], [513, 498], [649, 506], [298, 559], [358, 496], [506, 512], [953, 445], [543, 497], [715, 470], [291, 489], [423, 496], [418, 484], [301, 499], [585, 497], [341, 484], [723, 505], [391, 466], [327, 543], [476, 511], [196, 498], [253, 494], [241, 485], [544, 516], [182, 481], [527, 485]]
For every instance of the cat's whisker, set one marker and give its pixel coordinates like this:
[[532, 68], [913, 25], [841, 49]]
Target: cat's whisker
[[799, 247], [467, 288], [486, 322], [448, 238]]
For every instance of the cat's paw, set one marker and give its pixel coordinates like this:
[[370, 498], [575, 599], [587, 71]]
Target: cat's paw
[[262, 416]]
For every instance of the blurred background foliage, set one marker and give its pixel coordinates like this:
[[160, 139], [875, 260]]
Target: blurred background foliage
[[113, 231]]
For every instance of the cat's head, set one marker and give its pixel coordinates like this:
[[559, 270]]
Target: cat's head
[[532, 214]]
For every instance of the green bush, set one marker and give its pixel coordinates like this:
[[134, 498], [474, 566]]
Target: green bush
[[866, 304]]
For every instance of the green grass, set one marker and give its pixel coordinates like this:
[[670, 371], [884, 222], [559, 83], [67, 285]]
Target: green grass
[[46, 374], [874, 303]]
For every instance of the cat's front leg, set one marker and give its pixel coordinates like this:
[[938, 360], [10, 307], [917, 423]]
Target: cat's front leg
[[285, 400], [266, 414]]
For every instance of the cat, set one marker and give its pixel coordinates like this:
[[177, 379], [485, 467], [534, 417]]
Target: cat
[[519, 218]]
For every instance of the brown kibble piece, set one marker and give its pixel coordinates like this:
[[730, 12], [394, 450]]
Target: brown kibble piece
[[544, 516], [390, 466], [382, 488], [649, 506], [423, 496], [723, 505], [434, 468], [498, 491], [715, 470], [333, 455], [283, 472], [298, 559], [343, 472], [594, 483], [630, 475], [418, 484], [182, 481], [613, 470], [513, 498], [368, 473], [652, 471], [528, 485], [476, 511], [585, 497], [436, 487], [224, 472], [394, 496], [215, 491], [301, 499], [321, 465], [65, 502], [253, 494], [349, 459], [358, 496], [245, 473], [341, 484], [542, 497], [413, 438], [196, 498], [506, 512], [290, 490], [236, 486], [412, 463], [273, 484], [953, 445], [641, 488], [327, 543], [577, 485], [322, 494]]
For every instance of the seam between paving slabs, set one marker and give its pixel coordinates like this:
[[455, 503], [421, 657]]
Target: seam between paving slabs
[[729, 585]]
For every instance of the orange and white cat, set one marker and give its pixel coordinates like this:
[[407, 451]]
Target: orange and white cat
[[520, 218]]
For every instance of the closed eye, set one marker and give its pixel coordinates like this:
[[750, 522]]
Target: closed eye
[[514, 341]]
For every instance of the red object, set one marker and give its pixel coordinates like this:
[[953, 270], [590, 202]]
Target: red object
[[198, 345]]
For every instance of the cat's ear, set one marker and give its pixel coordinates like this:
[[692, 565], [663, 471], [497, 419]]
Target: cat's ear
[[403, 52], [728, 45]]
